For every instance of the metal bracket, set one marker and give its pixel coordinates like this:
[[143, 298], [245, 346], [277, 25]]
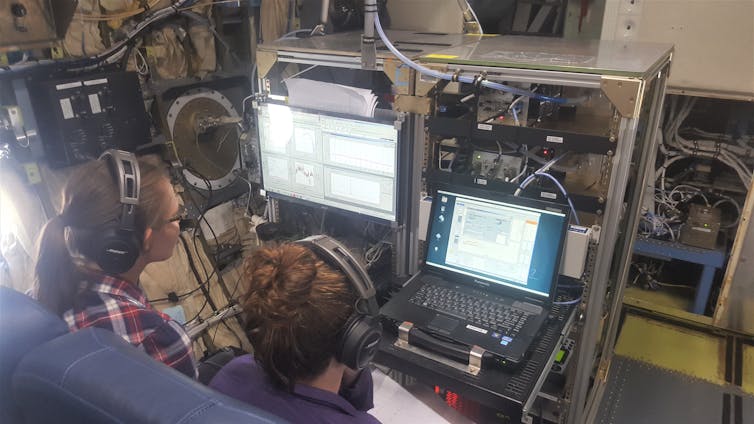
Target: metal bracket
[[624, 93], [412, 104], [475, 359], [425, 84], [17, 123], [471, 28], [403, 330], [399, 74], [399, 120], [265, 61], [24, 122]]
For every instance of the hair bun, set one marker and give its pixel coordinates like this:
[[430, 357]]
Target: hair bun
[[295, 309], [280, 280]]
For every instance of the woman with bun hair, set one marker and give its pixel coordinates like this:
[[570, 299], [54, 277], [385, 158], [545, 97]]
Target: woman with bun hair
[[296, 307]]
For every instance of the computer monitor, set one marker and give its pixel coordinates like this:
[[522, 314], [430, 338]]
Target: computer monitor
[[505, 243], [345, 163]]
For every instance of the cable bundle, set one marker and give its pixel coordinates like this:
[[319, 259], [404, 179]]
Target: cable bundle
[[727, 154]]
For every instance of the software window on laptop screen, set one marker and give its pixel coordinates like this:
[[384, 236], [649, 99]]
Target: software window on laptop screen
[[502, 243], [344, 163]]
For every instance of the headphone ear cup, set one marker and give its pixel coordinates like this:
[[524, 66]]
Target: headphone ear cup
[[360, 341], [117, 250]]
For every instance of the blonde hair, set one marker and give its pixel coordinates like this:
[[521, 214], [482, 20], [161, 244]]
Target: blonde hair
[[90, 204]]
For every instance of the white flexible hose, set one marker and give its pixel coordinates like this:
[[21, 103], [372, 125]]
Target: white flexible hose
[[462, 78]]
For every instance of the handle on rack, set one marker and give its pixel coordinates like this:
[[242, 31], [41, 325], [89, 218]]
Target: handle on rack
[[424, 340]]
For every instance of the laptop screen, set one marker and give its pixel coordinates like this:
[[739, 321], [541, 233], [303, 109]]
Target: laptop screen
[[500, 242]]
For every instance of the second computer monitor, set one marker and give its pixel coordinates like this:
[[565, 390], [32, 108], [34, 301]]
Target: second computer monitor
[[346, 163]]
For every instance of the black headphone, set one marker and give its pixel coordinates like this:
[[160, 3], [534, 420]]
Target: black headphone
[[116, 249], [360, 337]]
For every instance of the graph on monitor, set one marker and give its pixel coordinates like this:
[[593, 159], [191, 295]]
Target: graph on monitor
[[349, 164]]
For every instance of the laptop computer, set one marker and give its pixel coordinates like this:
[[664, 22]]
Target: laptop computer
[[490, 271]]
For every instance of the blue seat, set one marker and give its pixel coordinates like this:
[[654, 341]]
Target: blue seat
[[93, 376]]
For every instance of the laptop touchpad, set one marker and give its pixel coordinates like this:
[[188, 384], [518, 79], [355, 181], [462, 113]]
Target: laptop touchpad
[[442, 324]]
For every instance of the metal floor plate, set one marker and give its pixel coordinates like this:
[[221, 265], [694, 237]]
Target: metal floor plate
[[748, 410], [663, 372], [639, 393], [747, 382]]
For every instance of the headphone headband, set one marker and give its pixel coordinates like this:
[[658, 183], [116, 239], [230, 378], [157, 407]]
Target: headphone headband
[[125, 169], [335, 254], [361, 334], [116, 250]]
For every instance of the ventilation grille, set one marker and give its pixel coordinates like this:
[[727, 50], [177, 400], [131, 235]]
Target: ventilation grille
[[520, 386]]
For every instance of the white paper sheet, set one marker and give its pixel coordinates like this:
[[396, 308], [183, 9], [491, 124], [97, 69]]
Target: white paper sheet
[[331, 97]]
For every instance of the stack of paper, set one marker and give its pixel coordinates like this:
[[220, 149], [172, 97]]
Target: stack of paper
[[331, 97]]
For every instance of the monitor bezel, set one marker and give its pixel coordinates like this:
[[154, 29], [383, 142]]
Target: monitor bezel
[[351, 212]]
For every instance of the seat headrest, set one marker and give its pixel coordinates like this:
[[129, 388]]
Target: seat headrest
[[93, 375], [24, 325]]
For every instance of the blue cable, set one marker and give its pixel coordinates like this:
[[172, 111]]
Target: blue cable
[[574, 301], [515, 115], [557, 183], [568, 302], [462, 78]]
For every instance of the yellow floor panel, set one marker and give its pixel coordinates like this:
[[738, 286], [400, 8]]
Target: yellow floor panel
[[748, 369], [676, 299], [673, 304], [674, 348]]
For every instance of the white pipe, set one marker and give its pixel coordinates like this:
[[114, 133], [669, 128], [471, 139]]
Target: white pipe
[[370, 11], [462, 78]]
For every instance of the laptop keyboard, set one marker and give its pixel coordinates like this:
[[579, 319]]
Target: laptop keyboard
[[479, 311]]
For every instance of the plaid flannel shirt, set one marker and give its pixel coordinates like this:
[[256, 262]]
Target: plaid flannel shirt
[[122, 308]]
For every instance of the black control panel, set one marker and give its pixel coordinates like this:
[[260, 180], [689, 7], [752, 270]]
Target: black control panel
[[80, 118]]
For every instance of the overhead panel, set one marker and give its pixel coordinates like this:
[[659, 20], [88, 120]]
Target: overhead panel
[[713, 54]]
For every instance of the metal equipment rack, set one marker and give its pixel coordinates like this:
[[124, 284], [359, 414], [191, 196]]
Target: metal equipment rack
[[632, 77], [623, 83]]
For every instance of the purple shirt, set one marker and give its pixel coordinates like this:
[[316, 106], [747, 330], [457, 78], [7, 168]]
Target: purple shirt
[[244, 379]]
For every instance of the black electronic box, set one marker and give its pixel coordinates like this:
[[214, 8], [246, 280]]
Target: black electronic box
[[79, 118]]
